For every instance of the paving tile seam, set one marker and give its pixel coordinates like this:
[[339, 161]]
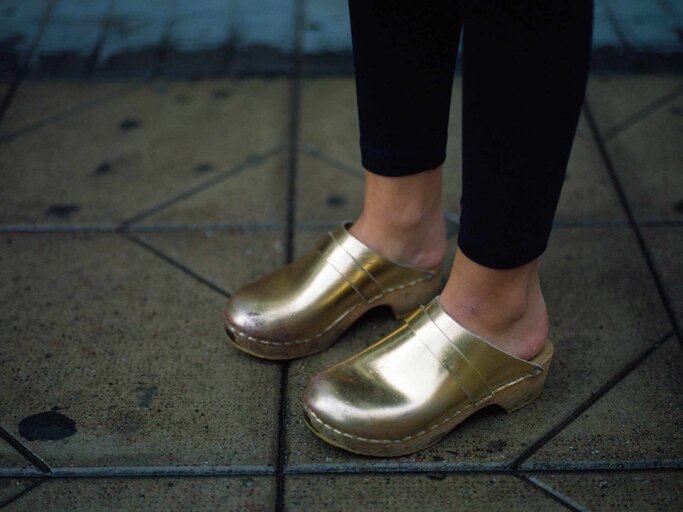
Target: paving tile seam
[[112, 228], [140, 471], [666, 466], [65, 114], [616, 26], [529, 451], [252, 160], [247, 227], [11, 499], [332, 162], [22, 70], [643, 113], [484, 467], [553, 493], [626, 206], [178, 265], [293, 163], [94, 56], [24, 451]]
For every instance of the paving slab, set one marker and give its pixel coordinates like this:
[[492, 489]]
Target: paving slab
[[647, 157], [329, 126], [197, 37], [228, 259], [132, 45], [10, 458], [645, 25], [255, 193], [112, 357], [234, 493], [19, 21], [11, 488], [70, 38], [326, 194], [329, 129], [110, 162], [264, 41], [604, 312], [638, 420], [615, 98], [633, 490], [38, 103], [414, 492], [666, 246]]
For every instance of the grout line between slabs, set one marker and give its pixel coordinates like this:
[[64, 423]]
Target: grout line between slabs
[[530, 450], [295, 105], [94, 56], [65, 114], [23, 67], [24, 451], [173, 262], [21, 493], [550, 491], [621, 35], [247, 227], [623, 199], [642, 114], [251, 161], [344, 469]]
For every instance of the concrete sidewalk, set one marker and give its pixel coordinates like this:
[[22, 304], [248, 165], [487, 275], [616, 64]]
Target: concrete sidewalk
[[131, 208], [129, 213]]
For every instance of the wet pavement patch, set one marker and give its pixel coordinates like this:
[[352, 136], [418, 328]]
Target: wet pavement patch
[[47, 426], [129, 124], [62, 210]]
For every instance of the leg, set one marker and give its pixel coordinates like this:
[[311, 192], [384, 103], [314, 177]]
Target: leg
[[525, 70], [404, 54]]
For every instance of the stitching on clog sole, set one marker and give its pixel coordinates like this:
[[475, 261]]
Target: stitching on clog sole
[[421, 432]]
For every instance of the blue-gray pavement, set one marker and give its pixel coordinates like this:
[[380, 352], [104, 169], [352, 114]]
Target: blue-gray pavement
[[136, 38]]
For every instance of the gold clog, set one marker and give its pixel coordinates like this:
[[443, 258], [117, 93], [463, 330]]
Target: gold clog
[[408, 390], [305, 306]]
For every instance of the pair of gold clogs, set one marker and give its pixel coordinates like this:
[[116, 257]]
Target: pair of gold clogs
[[407, 390]]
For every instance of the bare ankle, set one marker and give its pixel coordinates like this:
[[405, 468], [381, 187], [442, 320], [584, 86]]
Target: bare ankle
[[505, 308], [402, 218], [421, 245]]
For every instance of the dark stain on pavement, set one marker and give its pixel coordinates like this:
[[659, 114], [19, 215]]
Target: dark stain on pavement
[[47, 426], [62, 210], [103, 168], [203, 167], [129, 124]]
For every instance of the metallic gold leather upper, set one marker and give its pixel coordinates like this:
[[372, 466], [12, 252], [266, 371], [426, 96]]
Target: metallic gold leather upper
[[428, 369], [304, 299]]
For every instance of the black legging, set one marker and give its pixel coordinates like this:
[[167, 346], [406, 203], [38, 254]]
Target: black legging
[[524, 77]]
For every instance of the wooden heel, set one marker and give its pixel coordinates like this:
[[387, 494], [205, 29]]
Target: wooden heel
[[521, 394]]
